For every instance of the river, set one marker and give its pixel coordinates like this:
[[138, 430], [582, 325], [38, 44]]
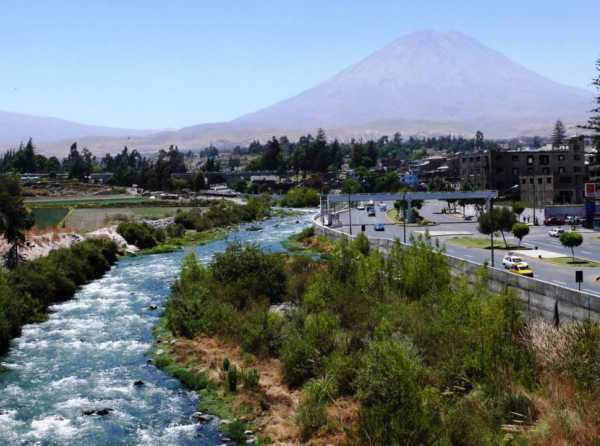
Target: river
[[92, 349]]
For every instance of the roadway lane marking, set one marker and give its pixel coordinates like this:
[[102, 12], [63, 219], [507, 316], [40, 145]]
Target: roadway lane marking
[[585, 252], [469, 256], [560, 283]]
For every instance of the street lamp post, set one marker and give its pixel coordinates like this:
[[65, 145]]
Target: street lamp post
[[491, 208]]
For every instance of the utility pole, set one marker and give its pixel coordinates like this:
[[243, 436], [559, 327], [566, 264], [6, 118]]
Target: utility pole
[[491, 208], [534, 202], [405, 208]]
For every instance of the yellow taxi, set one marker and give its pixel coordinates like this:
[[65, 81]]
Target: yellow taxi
[[522, 269]]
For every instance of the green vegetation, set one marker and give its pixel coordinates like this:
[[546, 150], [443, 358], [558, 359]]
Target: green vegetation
[[141, 235], [225, 213], [571, 239], [301, 197], [14, 217], [477, 242], [520, 230], [572, 261], [500, 219], [28, 290], [426, 358], [48, 217]]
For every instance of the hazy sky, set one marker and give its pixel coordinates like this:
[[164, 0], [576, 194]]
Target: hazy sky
[[167, 64]]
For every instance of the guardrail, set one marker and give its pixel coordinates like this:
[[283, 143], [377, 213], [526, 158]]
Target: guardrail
[[539, 298]]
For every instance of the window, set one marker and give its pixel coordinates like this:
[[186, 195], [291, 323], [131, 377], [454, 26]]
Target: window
[[478, 158], [515, 171], [576, 157], [540, 180], [531, 180], [546, 171], [561, 157], [530, 160], [515, 157], [561, 170], [464, 160], [544, 160], [523, 181], [530, 170], [499, 170], [549, 180], [470, 160], [576, 169]]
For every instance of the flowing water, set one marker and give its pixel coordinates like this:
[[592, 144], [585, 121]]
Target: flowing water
[[92, 349]]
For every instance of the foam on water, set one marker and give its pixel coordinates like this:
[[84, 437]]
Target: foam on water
[[91, 350]]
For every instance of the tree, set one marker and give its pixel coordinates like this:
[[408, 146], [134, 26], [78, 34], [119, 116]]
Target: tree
[[350, 186], [520, 230], [479, 140], [594, 120], [571, 239], [518, 208], [499, 219], [14, 217], [558, 134], [272, 158], [198, 182]]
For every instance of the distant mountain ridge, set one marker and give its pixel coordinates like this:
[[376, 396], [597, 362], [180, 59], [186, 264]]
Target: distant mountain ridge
[[424, 83], [19, 127]]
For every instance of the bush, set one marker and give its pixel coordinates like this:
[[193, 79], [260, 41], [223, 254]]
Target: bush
[[261, 332], [236, 431], [250, 379], [232, 379], [140, 234], [301, 197], [245, 274], [311, 411], [175, 230], [390, 392], [581, 358]]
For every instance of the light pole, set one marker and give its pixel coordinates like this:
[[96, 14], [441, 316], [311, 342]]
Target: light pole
[[349, 214], [491, 208]]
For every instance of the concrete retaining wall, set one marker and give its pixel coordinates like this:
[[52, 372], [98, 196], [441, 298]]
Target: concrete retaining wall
[[538, 297]]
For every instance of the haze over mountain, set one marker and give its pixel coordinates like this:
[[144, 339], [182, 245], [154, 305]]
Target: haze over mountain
[[18, 127], [424, 83]]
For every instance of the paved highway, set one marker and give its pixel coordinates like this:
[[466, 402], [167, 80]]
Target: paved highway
[[538, 236]]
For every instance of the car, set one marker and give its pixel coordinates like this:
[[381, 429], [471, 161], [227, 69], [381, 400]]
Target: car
[[572, 220], [510, 259], [382, 207], [371, 211], [361, 206], [522, 269], [555, 232], [468, 217], [379, 227], [554, 221]]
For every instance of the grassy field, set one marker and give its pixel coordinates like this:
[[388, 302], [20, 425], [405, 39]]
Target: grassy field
[[48, 217], [90, 219], [576, 263], [92, 201], [480, 242]]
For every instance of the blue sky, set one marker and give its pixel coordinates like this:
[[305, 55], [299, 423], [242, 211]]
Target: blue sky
[[167, 64]]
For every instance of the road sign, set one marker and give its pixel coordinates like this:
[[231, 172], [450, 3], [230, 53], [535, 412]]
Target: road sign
[[590, 190], [579, 278]]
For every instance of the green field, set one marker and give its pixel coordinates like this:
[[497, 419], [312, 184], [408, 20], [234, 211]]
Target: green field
[[90, 219], [48, 217], [480, 242], [576, 263]]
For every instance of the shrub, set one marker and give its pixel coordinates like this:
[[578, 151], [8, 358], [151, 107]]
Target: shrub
[[581, 358], [361, 244], [311, 411], [389, 390], [236, 431], [232, 379], [175, 230], [140, 234], [250, 379], [244, 274], [226, 364], [300, 197], [261, 332]]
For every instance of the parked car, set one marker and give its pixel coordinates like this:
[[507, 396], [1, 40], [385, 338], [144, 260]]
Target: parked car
[[522, 269], [555, 232], [361, 206], [382, 207], [573, 220], [379, 227], [509, 260], [371, 211], [554, 221]]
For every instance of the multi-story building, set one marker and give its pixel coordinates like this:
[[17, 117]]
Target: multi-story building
[[546, 176]]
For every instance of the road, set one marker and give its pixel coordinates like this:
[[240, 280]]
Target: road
[[538, 237]]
